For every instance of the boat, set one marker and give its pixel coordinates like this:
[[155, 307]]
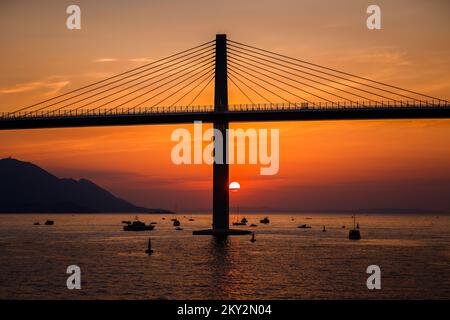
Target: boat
[[191, 219], [178, 228], [138, 226], [354, 233], [176, 222], [36, 223], [304, 226], [149, 250], [253, 225], [153, 222], [265, 220], [243, 222], [324, 230], [49, 223], [253, 237]]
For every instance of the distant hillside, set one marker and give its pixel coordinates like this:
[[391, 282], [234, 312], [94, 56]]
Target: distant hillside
[[26, 188]]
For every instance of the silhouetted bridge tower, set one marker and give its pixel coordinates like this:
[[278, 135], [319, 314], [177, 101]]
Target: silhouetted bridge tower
[[221, 170], [277, 88]]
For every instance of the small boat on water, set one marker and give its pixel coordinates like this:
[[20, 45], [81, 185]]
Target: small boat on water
[[253, 225], [324, 230], [178, 228], [153, 222], [176, 222], [49, 223], [36, 223], [304, 226], [191, 219], [149, 250], [138, 226], [354, 233], [265, 220], [243, 222], [253, 237]]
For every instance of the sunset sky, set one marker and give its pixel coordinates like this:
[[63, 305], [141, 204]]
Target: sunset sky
[[323, 165]]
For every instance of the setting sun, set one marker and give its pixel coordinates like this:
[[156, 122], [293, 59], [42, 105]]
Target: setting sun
[[234, 186]]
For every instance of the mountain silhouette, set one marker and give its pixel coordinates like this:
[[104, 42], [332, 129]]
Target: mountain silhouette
[[27, 188]]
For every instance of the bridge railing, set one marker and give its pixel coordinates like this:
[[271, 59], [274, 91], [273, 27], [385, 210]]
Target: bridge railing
[[336, 105], [143, 111], [107, 112]]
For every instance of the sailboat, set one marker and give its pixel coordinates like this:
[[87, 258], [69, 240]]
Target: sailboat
[[354, 233], [149, 250], [243, 222]]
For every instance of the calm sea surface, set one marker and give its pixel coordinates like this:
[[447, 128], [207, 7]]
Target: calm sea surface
[[413, 252]]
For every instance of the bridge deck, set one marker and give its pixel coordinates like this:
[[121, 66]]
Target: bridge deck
[[239, 113]]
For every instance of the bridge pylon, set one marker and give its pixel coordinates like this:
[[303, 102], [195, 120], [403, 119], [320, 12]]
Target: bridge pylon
[[221, 206]]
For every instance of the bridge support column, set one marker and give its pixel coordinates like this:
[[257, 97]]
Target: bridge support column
[[221, 170], [221, 209]]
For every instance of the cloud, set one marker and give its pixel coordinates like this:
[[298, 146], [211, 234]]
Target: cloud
[[141, 60], [51, 86], [106, 60]]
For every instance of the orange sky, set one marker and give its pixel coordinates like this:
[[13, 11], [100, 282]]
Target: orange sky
[[363, 164]]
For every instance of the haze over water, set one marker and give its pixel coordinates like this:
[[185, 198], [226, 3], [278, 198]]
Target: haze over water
[[284, 263]]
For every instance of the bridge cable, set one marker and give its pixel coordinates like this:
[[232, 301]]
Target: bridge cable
[[193, 89], [200, 92], [273, 93], [163, 85], [148, 91], [328, 79], [113, 77], [231, 73], [208, 73], [124, 89], [338, 71], [239, 88], [134, 91], [342, 78], [302, 77], [278, 87], [285, 83]]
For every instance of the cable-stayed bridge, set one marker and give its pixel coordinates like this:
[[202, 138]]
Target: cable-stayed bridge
[[263, 86], [268, 86]]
